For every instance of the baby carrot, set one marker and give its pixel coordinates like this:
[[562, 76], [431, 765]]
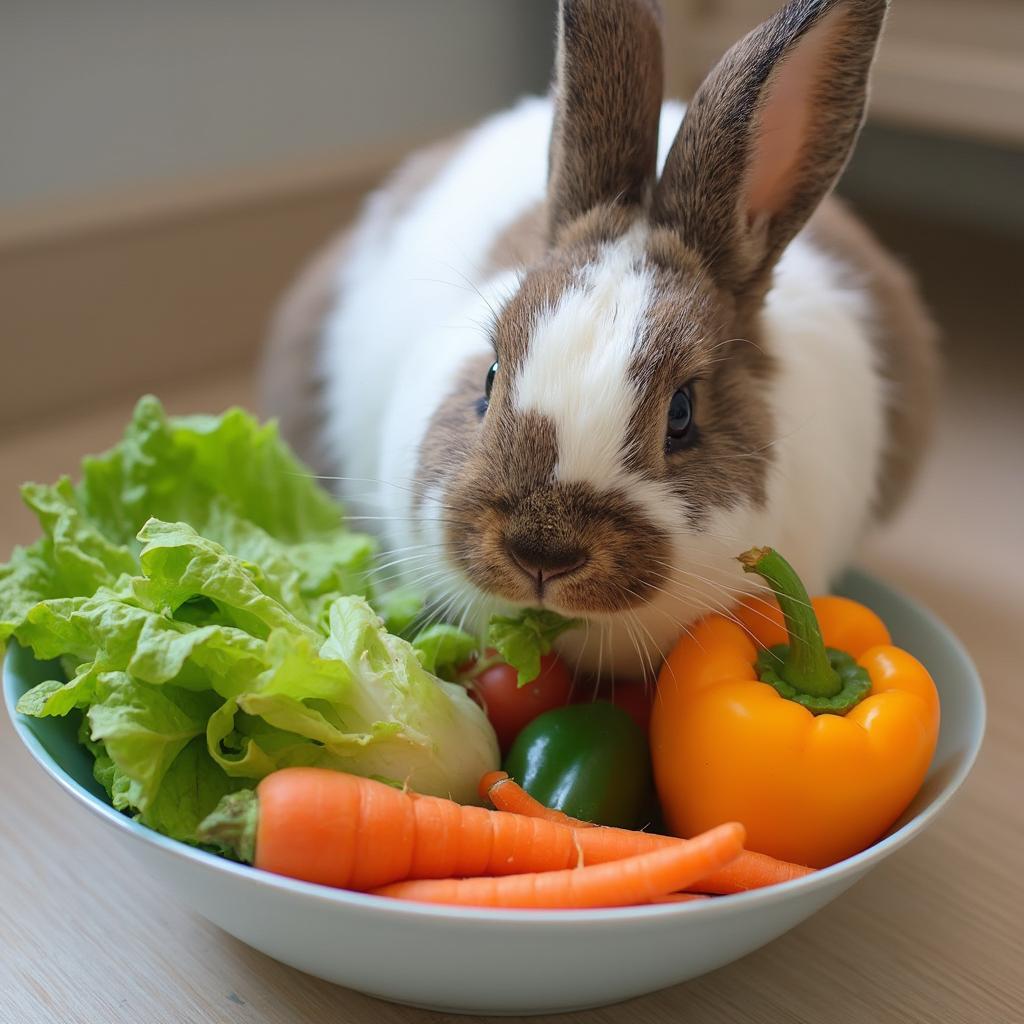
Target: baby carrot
[[507, 795], [601, 843], [343, 830], [640, 879]]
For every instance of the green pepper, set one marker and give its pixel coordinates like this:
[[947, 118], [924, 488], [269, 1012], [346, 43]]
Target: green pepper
[[590, 761]]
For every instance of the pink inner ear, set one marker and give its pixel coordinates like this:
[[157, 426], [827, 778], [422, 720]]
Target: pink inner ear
[[785, 121]]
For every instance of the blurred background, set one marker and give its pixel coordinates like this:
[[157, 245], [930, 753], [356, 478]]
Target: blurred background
[[167, 167]]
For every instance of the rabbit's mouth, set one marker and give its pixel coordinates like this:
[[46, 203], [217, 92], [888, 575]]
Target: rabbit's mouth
[[566, 547]]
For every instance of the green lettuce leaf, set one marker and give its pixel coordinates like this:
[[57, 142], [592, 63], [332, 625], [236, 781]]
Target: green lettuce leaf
[[143, 729], [443, 648], [211, 610], [449, 731], [401, 609], [228, 477], [191, 788], [522, 640], [53, 698], [28, 578], [83, 558], [180, 566], [175, 468]]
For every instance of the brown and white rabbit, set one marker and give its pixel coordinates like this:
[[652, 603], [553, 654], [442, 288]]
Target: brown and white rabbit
[[589, 351]]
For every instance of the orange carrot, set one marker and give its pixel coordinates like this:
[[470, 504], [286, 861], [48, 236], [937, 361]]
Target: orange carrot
[[600, 843], [682, 897], [640, 879], [515, 800], [343, 830]]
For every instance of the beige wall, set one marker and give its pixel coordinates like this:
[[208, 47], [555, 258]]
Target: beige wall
[[96, 95], [167, 165]]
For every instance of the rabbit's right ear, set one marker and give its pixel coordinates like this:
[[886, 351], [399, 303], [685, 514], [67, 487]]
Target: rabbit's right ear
[[767, 135], [608, 89]]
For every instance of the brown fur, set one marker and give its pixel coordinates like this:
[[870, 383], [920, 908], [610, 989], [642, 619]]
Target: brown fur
[[513, 499], [449, 438], [496, 471], [608, 89], [696, 334], [703, 191]]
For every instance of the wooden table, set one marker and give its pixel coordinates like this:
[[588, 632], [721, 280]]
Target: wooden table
[[935, 935]]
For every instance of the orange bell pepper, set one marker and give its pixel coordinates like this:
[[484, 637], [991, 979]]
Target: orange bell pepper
[[816, 750]]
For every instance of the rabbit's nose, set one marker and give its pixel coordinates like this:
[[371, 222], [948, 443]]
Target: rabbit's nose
[[543, 564]]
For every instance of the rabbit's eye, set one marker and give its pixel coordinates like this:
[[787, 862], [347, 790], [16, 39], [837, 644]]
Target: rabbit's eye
[[482, 403], [681, 431]]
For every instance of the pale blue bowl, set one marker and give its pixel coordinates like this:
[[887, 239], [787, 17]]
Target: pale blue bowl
[[474, 961]]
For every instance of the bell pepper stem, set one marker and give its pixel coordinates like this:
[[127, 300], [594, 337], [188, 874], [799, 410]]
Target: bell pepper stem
[[806, 666]]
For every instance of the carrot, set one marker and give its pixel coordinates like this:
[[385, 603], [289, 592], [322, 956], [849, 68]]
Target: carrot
[[515, 800], [640, 879], [354, 833], [682, 897], [601, 843]]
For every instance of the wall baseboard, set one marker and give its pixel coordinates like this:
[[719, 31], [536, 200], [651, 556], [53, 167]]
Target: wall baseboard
[[147, 290]]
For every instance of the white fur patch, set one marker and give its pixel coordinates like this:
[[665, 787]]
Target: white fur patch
[[409, 313], [576, 371], [829, 413]]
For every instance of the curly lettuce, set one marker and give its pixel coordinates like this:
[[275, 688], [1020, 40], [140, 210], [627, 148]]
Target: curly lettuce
[[212, 613]]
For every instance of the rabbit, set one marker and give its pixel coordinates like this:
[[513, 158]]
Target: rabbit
[[583, 355]]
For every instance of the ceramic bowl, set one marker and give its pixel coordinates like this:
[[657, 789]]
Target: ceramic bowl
[[517, 962]]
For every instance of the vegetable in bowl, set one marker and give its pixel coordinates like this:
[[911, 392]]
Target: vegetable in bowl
[[339, 830], [799, 718], [590, 760], [215, 621], [334, 933], [219, 627]]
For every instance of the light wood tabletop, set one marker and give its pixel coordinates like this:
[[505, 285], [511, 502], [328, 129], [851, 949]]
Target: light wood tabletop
[[935, 934]]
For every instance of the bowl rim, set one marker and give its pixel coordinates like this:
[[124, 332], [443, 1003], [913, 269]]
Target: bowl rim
[[850, 868]]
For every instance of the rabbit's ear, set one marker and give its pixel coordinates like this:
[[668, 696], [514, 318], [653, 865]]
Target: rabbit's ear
[[767, 135], [607, 92]]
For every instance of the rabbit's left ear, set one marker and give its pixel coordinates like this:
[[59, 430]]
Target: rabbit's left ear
[[767, 135]]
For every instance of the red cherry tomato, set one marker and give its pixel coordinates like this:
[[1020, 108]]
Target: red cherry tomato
[[634, 697], [510, 707], [631, 695]]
